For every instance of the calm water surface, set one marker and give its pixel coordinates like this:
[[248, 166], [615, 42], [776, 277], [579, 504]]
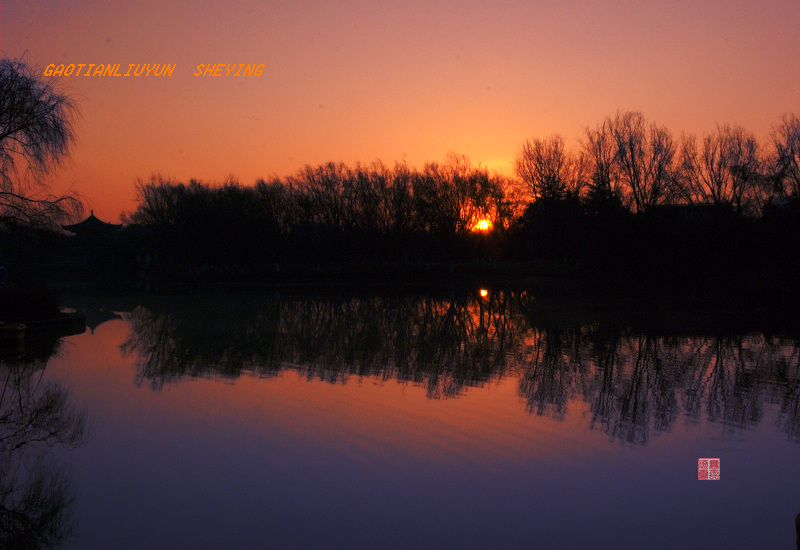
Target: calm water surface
[[454, 421]]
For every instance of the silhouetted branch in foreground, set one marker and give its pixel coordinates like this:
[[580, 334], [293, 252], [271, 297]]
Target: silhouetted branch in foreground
[[35, 495]]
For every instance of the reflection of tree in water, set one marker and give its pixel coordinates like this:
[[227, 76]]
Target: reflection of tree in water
[[172, 346], [551, 375], [639, 389], [786, 388], [35, 497], [636, 382], [444, 344], [730, 373]]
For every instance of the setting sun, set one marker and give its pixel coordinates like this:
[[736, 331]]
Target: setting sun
[[482, 225]]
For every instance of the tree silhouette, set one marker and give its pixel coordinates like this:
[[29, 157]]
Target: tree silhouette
[[601, 152], [725, 171], [786, 139], [548, 170], [451, 197], [36, 131], [645, 153], [630, 205]]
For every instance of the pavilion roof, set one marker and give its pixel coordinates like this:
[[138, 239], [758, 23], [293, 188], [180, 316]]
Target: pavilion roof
[[92, 226]]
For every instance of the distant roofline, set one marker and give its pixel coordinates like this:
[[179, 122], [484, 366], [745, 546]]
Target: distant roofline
[[93, 225]]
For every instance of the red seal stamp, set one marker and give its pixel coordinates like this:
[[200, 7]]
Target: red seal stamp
[[708, 469]]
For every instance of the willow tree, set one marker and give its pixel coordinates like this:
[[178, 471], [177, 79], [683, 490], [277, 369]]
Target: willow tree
[[36, 132]]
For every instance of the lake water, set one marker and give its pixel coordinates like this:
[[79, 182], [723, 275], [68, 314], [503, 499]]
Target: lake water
[[450, 420]]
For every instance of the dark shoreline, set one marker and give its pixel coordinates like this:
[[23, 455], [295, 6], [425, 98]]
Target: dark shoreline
[[548, 301], [546, 278]]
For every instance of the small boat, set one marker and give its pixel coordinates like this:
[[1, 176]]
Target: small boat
[[12, 338]]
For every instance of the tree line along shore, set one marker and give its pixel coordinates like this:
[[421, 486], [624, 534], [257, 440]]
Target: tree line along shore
[[631, 205]]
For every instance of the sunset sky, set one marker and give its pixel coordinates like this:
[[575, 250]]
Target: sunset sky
[[397, 81]]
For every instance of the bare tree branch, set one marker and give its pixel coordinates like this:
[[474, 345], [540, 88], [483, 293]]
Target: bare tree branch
[[36, 131]]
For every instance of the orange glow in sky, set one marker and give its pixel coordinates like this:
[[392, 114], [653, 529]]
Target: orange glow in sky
[[355, 81]]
